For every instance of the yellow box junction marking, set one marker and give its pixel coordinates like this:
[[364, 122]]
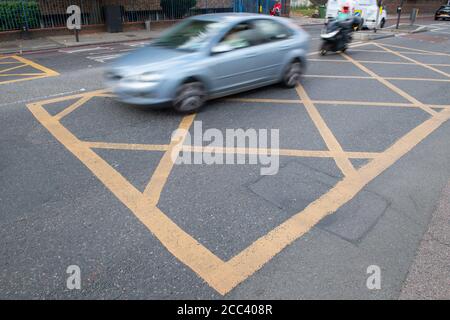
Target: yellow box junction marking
[[221, 275], [20, 62]]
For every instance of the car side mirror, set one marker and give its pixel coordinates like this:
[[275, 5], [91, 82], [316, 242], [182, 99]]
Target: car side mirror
[[221, 48]]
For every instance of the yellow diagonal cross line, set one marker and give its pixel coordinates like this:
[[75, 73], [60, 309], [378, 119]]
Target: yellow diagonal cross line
[[44, 71], [390, 85], [221, 275]]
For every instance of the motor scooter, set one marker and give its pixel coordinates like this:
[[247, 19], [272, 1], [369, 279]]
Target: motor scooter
[[337, 34]]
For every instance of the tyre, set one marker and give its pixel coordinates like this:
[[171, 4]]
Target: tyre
[[292, 74], [190, 97], [323, 49]]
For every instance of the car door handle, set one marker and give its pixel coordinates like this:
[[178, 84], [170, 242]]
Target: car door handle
[[285, 46], [250, 55]]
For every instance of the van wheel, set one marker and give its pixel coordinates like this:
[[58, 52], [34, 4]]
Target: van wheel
[[383, 22], [190, 97], [292, 74]]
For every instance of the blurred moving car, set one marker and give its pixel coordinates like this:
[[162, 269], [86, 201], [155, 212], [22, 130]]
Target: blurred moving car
[[442, 13], [211, 56]]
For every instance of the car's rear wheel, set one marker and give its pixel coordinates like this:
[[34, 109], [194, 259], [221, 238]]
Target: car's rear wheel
[[292, 74], [190, 97]]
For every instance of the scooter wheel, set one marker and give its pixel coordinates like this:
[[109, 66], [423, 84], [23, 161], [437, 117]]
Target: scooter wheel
[[323, 52]]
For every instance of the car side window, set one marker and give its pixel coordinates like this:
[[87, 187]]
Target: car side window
[[271, 30], [241, 36]]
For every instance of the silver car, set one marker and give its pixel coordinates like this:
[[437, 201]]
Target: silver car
[[210, 56]]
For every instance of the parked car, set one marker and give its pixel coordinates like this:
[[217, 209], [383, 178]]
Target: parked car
[[210, 56], [442, 13]]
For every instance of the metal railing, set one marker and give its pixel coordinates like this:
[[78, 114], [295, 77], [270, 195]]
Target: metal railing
[[44, 14]]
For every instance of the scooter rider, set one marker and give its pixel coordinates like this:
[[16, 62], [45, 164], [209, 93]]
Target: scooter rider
[[276, 10]]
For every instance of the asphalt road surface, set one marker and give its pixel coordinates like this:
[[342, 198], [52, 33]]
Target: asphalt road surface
[[86, 181]]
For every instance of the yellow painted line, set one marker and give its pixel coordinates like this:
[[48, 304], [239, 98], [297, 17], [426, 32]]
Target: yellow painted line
[[209, 149], [257, 100], [390, 85], [418, 50], [335, 77], [23, 79], [72, 107], [281, 152], [380, 62], [333, 145], [47, 71], [414, 53], [154, 188], [417, 79], [127, 146], [20, 74], [9, 62], [246, 263], [177, 241], [337, 103], [220, 275], [415, 61], [366, 103], [75, 96], [13, 68]]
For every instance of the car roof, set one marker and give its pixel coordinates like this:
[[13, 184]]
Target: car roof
[[230, 16]]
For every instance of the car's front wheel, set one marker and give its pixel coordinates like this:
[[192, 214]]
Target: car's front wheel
[[190, 97], [292, 74]]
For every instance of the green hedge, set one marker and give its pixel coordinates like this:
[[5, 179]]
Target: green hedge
[[13, 13], [176, 9]]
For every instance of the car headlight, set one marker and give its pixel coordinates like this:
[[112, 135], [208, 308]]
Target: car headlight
[[146, 77]]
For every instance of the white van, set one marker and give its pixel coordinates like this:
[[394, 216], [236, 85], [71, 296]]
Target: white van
[[367, 9]]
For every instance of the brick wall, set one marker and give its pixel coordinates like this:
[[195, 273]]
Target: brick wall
[[424, 6]]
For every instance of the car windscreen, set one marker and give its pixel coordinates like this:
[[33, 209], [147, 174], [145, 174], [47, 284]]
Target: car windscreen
[[189, 35], [445, 9]]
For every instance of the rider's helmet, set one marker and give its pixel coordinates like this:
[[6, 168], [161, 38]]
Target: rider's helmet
[[345, 8]]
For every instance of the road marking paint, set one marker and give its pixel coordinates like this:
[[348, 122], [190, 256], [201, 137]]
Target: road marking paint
[[415, 61], [159, 177], [220, 275], [248, 151], [73, 107], [43, 97], [83, 50], [12, 68], [380, 62], [418, 50], [127, 146], [336, 102], [177, 241], [333, 145], [335, 77], [391, 86], [372, 78], [104, 58], [46, 72], [251, 259]]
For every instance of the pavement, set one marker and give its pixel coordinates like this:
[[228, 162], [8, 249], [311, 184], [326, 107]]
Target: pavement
[[363, 181], [64, 41]]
